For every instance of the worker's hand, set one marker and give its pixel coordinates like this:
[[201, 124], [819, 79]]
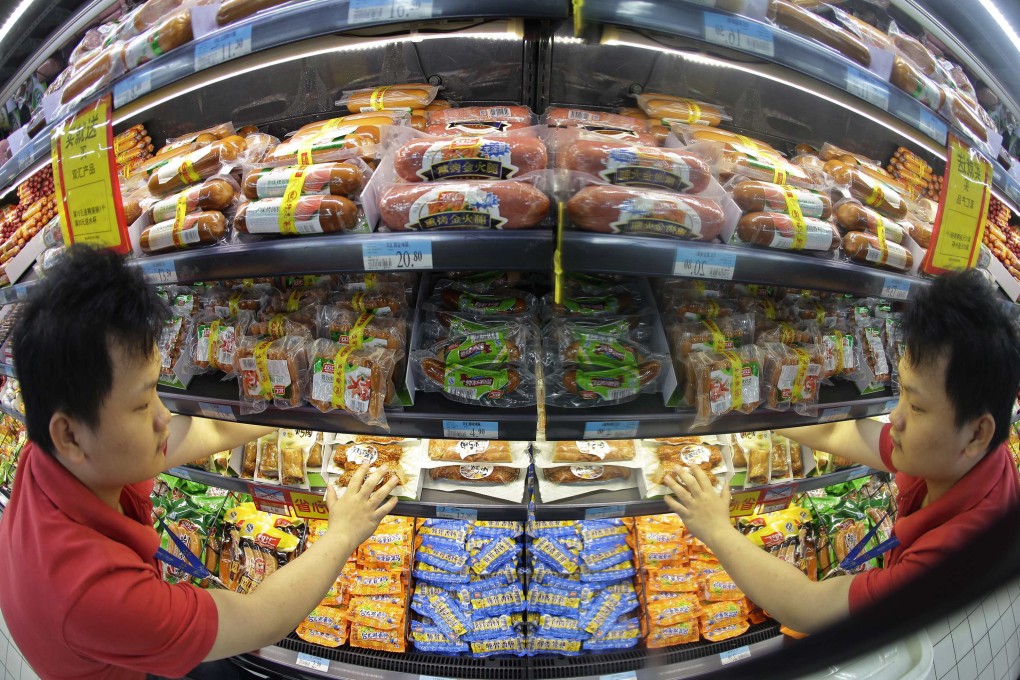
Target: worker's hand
[[704, 511], [358, 511]]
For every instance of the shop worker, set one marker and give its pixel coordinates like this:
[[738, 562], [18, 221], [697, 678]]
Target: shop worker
[[958, 379], [80, 588]]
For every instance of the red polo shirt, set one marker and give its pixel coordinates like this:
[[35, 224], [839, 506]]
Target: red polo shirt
[[929, 534], [80, 588]]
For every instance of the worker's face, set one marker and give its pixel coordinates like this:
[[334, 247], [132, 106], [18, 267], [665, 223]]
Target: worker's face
[[926, 441], [129, 444]]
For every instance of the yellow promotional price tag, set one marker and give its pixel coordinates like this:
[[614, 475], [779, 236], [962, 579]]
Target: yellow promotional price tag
[[308, 505], [743, 504], [85, 179], [960, 223]]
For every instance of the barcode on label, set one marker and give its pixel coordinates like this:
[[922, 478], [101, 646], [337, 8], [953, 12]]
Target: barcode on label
[[373, 11], [860, 85]]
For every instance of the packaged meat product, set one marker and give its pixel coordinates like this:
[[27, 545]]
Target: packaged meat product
[[728, 141], [99, 71], [791, 376], [754, 196], [839, 345], [866, 248], [216, 193], [294, 216], [348, 457], [495, 302], [620, 300], [966, 114], [615, 210], [625, 164], [198, 165], [469, 451], [172, 342], [587, 387], [765, 166], [912, 49], [787, 232], [721, 382], [871, 340], [191, 230], [216, 341], [498, 386], [469, 158], [478, 120], [599, 125], [352, 380], [271, 370], [322, 179], [856, 217], [170, 33], [495, 204], [383, 300], [402, 96], [593, 451], [336, 139], [229, 302], [670, 109], [235, 10], [362, 329], [476, 474], [807, 23], [698, 309], [569, 343], [871, 191], [585, 474], [504, 346], [712, 335]]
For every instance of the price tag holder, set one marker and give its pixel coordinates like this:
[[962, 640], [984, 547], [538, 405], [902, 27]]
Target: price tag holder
[[861, 85], [316, 663], [159, 272], [606, 512], [929, 124], [470, 429], [216, 411], [896, 288], [737, 654], [611, 429], [222, 47], [396, 255], [384, 11], [180, 472], [831, 414], [131, 88], [433, 677], [626, 675], [960, 222], [739, 34], [704, 263], [84, 177], [451, 512], [271, 499]]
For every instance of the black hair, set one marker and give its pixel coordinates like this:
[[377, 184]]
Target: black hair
[[962, 318], [88, 302]]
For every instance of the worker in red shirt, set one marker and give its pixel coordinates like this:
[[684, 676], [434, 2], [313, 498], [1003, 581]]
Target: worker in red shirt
[[80, 589], [959, 375]]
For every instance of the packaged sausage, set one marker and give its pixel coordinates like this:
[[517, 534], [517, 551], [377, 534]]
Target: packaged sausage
[[215, 341], [478, 120], [352, 380], [295, 456], [787, 232], [336, 139], [204, 228], [599, 125], [894, 348], [585, 474], [178, 172], [625, 164], [215, 193], [853, 216], [294, 300], [791, 377], [171, 32], [89, 78], [428, 159], [469, 451], [764, 166], [807, 23], [754, 196], [494, 385], [714, 138], [458, 297], [712, 335], [297, 215], [870, 249], [361, 329], [382, 300], [276, 326], [700, 308], [566, 342], [615, 210], [403, 96], [670, 109], [345, 178], [593, 451], [790, 333], [506, 345], [229, 302], [497, 204], [174, 349], [870, 190], [871, 341], [271, 371], [476, 474], [721, 382], [582, 386]]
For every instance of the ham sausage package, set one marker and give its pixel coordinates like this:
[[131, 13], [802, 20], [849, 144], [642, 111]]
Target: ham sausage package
[[350, 379], [271, 371]]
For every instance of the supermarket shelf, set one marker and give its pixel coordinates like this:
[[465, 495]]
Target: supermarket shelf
[[628, 503], [433, 503], [656, 256], [294, 658], [646, 417], [8, 370], [480, 250], [12, 413], [428, 418]]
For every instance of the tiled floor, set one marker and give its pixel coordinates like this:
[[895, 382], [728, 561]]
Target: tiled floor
[[12, 665]]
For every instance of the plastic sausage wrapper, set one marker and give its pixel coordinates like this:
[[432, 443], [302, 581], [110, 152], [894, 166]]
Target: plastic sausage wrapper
[[170, 33], [721, 382], [336, 139], [215, 341], [295, 215], [869, 249], [497, 386], [383, 300], [352, 380], [604, 126], [672, 109], [500, 345], [470, 451], [271, 371], [215, 193], [361, 329], [431, 158], [190, 230], [625, 164], [872, 350], [585, 474], [853, 216], [787, 232], [479, 120], [497, 204], [582, 386], [870, 189], [616, 210], [755, 196], [301, 324], [322, 179], [807, 23], [567, 342], [402, 96], [178, 172], [792, 375], [451, 296], [476, 474], [88, 78]]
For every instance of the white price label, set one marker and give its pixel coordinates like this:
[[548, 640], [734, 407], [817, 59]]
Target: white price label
[[896, 288], [862, 85], [735, 655], [611, 429], [830, 414], [159, 272], [316, 663], [704, 263], [451, 512], [626, 675], [470, 429], [396, 254], [606, 512], [131, 88], [739, 33], [216, 411], [381, 11], [929, 124], [222, 47]]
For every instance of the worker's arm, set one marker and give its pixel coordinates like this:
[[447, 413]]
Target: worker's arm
[[192, 438], [774, 585], [278, 605], [855, 440]]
